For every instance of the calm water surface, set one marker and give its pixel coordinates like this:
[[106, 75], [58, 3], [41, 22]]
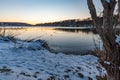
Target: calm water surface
[[67, 40]]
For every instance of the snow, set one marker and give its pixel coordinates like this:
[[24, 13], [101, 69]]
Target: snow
[[108, 1], [106, 62], [117, 39], [24, 60]]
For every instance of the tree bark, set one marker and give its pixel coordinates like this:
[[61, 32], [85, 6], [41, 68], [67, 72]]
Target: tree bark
[[119, 12], [107, 34]]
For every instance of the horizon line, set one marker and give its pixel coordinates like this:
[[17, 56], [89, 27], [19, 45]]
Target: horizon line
[[33, 23]]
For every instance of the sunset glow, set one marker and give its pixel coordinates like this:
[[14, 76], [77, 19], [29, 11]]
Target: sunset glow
[[41, 11]]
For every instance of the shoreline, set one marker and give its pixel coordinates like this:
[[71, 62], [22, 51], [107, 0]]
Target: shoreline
[[29, 60]]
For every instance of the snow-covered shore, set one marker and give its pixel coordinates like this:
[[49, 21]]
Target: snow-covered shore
[[23, 60]]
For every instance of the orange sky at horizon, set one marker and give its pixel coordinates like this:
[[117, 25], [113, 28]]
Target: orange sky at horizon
[[43, 11], [37, 21]]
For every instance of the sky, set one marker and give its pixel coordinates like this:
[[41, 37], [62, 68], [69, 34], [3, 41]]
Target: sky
[[42, 11]]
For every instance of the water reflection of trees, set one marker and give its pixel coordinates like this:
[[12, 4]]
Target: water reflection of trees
[[87, 31]]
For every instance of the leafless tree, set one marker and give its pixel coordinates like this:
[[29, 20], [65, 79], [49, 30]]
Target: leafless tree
[[108, 37]]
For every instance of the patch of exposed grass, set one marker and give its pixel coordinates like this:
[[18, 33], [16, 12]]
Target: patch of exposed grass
[[5, 70], [51, 78], [66, 76], [80, 75], [89, 78], [25, 74], [100, 78]]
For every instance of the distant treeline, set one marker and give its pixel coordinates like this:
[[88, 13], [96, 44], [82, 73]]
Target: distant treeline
[[14, 24], [70, 23], [76, 22], [67, 23]]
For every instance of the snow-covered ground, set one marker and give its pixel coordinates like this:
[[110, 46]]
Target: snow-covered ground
[[22, 60], [118, 39]]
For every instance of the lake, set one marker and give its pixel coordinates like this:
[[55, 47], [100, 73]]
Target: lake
[[61, 39]]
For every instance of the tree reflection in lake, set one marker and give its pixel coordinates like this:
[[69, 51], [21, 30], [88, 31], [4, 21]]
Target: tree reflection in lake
[[93, 30]]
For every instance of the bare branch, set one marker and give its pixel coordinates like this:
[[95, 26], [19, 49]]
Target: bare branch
[[104, 3], [109, 5], [92, 10]]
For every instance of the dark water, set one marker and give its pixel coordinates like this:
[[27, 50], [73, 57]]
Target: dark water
[[67, 40]]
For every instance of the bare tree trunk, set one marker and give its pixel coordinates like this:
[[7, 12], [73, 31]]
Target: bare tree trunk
[[119, 12], [107, 34]]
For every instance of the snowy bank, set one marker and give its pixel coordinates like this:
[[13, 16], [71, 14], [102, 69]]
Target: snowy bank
[[23, 60], [117, 39]]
